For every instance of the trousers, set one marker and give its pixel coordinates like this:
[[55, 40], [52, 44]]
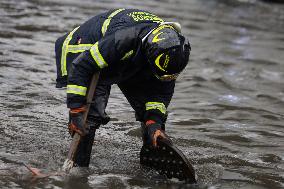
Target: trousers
[[97, 116]]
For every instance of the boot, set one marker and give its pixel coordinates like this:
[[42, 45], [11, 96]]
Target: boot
[[83, 154]]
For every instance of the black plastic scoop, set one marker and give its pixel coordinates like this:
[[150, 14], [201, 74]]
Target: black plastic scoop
[[167, 160]]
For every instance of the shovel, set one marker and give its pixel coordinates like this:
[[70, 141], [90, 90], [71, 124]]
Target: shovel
[[69, 162]]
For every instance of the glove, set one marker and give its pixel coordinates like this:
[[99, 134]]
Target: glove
[[76, 121], [153, 131]]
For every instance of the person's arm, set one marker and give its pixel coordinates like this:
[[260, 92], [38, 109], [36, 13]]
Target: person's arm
[[156, 112], [104, 53], [158, 101]]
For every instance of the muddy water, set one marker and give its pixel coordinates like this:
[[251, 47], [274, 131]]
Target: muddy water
[[227, 114]]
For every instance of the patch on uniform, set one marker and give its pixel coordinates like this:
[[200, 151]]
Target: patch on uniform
[[168, 161], [144, 16]]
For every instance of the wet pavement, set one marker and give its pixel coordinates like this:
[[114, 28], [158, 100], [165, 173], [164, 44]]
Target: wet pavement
[[227, 114]]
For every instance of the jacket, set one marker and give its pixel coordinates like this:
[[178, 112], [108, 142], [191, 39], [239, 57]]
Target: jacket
[[112, 43]]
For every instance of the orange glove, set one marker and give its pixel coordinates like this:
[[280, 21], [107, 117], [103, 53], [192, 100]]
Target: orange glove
[[76, 121], [152, 132]]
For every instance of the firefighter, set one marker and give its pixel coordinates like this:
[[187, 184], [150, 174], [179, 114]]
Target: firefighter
[[134, 49]]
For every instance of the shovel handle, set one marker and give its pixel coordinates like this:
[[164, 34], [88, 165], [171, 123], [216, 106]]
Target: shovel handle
[[69, 162], [90, 94]]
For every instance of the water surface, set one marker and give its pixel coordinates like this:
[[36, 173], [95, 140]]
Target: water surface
[[227, 113]]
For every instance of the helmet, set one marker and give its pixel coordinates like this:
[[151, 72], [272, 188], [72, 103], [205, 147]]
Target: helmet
[[167, 52]]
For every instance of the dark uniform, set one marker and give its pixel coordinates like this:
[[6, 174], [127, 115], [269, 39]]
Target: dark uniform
[[113, 43]]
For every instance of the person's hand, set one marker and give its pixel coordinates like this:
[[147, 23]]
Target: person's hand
[[76, 121], [153, 131]]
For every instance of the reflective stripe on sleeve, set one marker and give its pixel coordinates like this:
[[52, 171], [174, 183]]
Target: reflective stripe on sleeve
[[97, 56], [156, 105], [76, 89], [107, 21], [65, 51]]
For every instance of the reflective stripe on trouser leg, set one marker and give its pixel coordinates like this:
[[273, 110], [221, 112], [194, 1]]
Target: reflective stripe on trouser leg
[[156, 105]]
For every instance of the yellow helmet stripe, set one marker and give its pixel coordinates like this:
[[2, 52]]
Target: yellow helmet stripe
[[156, 39], [157, 62]]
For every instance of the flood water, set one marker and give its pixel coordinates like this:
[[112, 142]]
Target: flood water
[[227, 114]]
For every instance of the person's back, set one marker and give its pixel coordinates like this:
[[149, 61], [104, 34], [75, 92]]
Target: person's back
[[131, 26]]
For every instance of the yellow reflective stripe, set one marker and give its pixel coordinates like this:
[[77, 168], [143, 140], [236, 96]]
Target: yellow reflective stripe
[[162, 27], [76, 89], [79, 48], [97, 56], [157, 62], [145, 16], [107, 21], [65, 51], [156, 105]]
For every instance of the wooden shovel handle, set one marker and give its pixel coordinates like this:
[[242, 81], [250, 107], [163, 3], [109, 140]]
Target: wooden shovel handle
[[90, 94], [76, 138]]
